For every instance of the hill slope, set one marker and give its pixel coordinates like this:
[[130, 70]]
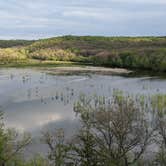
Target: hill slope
[[128, 52], [14, 43]]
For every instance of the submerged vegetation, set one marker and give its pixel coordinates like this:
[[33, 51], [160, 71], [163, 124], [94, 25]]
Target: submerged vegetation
[[146, 53], [120, 131]]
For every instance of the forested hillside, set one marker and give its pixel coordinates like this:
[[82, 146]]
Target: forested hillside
[[14, 43], [147, 53]]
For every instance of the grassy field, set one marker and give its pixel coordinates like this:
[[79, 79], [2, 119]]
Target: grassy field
[[145, 53], [39, 63]]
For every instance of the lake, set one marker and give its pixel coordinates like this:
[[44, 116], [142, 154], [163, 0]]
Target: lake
[[34, 100]]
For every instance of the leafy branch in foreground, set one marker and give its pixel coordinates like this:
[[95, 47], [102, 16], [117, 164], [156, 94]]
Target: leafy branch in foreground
[[11, 144], [58, 148]]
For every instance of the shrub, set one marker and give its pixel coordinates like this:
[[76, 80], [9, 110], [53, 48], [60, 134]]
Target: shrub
[[12, 55], [50, 54]]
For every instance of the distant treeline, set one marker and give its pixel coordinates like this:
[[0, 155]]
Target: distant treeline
[[14, 43], [146, 53]]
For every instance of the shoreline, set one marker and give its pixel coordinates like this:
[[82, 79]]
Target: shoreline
[[86, 69], [63, 67]]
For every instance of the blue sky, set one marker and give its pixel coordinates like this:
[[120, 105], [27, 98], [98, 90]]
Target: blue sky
[[33, 19]]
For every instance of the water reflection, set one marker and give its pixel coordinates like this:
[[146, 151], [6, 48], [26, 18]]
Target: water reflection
[[32, 100]]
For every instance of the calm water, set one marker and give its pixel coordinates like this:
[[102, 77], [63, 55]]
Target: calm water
[[33, 100]]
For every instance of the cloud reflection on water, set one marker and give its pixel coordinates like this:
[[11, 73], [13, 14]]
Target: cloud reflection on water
[[32, 100]]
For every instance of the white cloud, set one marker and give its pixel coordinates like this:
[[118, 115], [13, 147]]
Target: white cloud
[[107, 17], [141, 1]]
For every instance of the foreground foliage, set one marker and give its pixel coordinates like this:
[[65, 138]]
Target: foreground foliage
[[11, 145], [121, 131]]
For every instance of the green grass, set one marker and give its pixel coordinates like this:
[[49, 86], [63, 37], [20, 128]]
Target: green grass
[[38, 63]]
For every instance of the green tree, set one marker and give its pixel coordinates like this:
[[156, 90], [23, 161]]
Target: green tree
[[10, 144]]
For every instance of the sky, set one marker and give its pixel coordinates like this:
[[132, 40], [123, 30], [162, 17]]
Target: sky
[[34, 19]]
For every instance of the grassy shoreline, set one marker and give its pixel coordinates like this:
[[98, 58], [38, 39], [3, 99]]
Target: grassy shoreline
[[38, 63], [54, 65], [66, 67]]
